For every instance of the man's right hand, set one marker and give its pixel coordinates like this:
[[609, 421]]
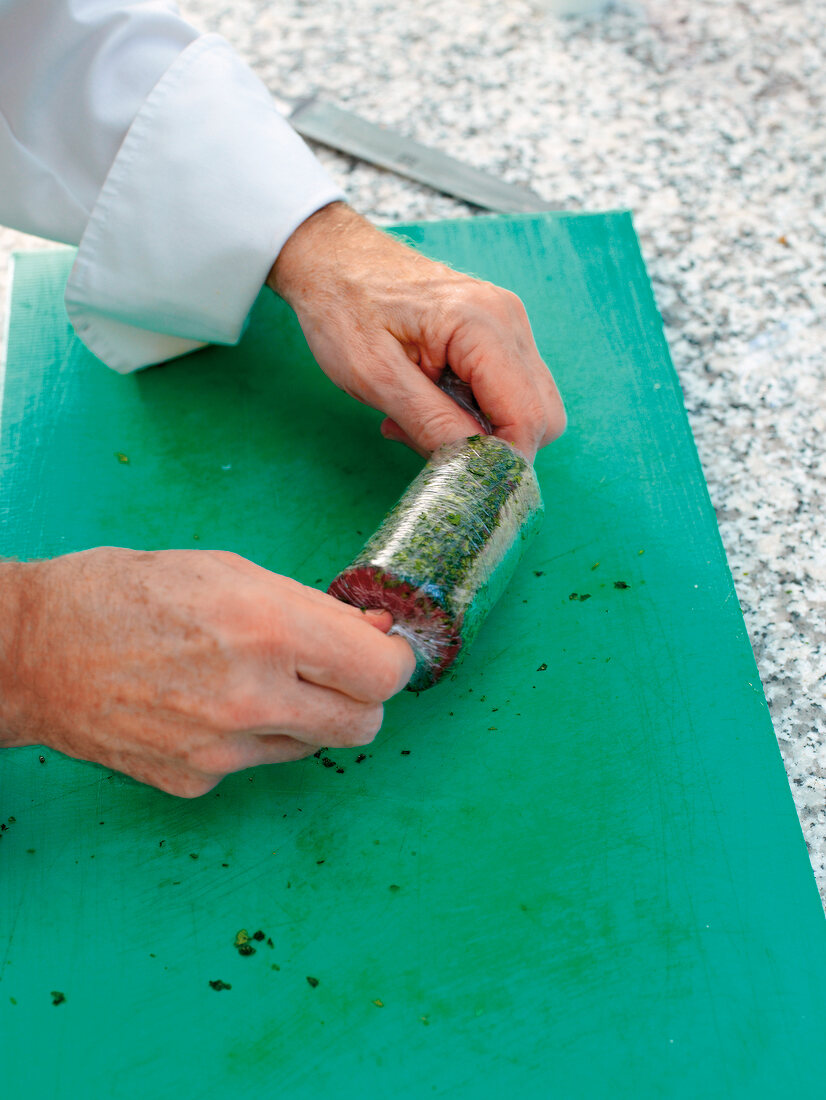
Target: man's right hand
[[180, 666]]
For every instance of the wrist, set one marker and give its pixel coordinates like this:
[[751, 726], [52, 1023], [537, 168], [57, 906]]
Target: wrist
[[17, 585], [311, 249]]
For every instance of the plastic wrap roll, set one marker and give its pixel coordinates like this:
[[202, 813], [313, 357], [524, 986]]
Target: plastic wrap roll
[[443, 555]]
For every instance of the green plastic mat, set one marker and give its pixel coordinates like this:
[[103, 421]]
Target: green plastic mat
[[573, 869]]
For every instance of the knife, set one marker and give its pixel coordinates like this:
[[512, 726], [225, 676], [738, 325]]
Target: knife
[[348, 133]]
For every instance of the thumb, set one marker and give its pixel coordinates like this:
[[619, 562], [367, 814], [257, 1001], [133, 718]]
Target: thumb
[[379, 618]]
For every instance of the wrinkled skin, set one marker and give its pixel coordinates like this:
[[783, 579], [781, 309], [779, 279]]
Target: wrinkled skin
[[383, 321], [179, 667]]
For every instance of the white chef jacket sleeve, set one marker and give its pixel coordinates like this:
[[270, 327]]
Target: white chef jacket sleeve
[[159, 153]]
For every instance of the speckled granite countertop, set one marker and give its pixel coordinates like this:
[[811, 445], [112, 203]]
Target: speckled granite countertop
[[706, 118]]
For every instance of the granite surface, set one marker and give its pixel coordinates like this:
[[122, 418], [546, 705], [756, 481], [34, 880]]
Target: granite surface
[[706, 119]]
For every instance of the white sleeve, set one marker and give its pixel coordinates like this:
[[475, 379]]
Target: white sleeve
[[159, 153]]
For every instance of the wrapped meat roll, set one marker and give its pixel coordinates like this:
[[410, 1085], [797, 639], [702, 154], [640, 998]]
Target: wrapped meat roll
[[443, 555]]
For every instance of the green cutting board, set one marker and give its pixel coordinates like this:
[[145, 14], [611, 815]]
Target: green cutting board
[[571, 870]]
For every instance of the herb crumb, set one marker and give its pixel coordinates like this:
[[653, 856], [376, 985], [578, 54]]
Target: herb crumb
[[57, 997], [219, 985], [312, 981]]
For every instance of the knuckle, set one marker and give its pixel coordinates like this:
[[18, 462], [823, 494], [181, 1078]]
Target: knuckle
[[388, 680], [439, 425], [497, 300], [190, 786], [370, 724], [227, 556], [361, 728], [239, 712], [558, 424], [514, 303], [213, 760]]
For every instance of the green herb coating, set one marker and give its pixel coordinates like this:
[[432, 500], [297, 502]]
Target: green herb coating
[[443, 555]]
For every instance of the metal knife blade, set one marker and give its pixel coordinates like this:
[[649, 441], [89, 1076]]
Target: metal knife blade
[[348, 133]]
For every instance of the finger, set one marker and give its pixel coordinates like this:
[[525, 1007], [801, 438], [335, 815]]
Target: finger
[[349, 656], [375, 617], [391, 430], [493, 349], [532, 418], [409, 398], [524, 410], [250, 749], [316, 716], [381, 620], [273, 749]]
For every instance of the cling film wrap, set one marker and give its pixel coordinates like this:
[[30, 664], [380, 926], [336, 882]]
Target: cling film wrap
[[443, 555]]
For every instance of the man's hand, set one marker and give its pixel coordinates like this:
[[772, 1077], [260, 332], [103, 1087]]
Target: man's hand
[[180, 666], [383, 322]]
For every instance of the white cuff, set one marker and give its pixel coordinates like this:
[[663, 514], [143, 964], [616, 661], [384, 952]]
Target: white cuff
[[208, 185]]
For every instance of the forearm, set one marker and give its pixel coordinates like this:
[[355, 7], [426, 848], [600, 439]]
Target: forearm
[[17, 581]]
